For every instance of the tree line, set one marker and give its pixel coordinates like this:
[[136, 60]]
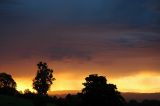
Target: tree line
[[96, 92]]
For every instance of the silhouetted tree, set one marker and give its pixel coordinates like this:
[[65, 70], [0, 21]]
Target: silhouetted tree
[[6, 80], [98, 93], [43, 79], [27, 91], [7, 84]]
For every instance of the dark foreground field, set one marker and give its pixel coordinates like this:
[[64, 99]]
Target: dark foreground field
[[127, 95], [17, 101], [6, 100]]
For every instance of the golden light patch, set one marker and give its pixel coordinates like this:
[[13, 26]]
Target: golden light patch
[[66, 81], [143, 82], [23, 84]]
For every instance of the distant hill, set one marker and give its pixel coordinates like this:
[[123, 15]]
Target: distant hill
[[63, 93], [127, 95], [141, 96]]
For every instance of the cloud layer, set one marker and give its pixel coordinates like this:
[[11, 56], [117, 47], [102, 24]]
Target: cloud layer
[[117, 35], [132, 13]]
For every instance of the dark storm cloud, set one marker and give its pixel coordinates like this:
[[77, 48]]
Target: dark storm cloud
[[135, 13], [7, 1], [29, 28], [155, 5], [137, 40], [69, 53], [75, 43]]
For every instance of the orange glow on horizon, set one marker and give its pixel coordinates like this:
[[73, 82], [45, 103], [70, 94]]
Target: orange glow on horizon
[[142, 82], [23, 84]]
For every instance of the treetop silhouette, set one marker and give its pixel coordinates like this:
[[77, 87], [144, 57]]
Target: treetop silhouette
[[6, 81], [98, 92], [44, 79]]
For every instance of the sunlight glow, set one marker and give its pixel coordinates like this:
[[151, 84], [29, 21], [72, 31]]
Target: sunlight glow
[[142, 82], [23, 84]]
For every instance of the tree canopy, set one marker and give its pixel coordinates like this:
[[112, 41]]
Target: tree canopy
[[43, 79], [97, 92], [6, 81]]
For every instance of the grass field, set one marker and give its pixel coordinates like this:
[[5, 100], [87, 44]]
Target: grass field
[[16, 101]]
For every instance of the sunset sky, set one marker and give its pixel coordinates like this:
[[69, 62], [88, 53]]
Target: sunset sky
[[119, 39]]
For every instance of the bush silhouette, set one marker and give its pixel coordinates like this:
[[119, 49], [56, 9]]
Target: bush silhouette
[[73, 100], [7, 84], [6, 80], [43, 79], [98, 93]]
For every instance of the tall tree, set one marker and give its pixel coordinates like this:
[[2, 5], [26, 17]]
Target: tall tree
[[98, 93], [6, 81], [44, 79]]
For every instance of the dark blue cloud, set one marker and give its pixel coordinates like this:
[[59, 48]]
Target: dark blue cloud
[[27, 24], [137, 40], [127, 12]]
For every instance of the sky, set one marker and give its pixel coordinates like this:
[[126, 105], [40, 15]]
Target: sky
[[119, 39]]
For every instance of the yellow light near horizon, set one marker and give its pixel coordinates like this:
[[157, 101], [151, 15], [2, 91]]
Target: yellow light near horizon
[[66, 81], [23, 84], [67, 85], [142, 82], [63, 82]]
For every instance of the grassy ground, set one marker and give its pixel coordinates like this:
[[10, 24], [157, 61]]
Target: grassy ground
[[15, 101]]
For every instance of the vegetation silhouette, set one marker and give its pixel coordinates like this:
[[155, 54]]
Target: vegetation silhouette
[[44, 79], [7, 84], [98, 93], [6, 80]]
